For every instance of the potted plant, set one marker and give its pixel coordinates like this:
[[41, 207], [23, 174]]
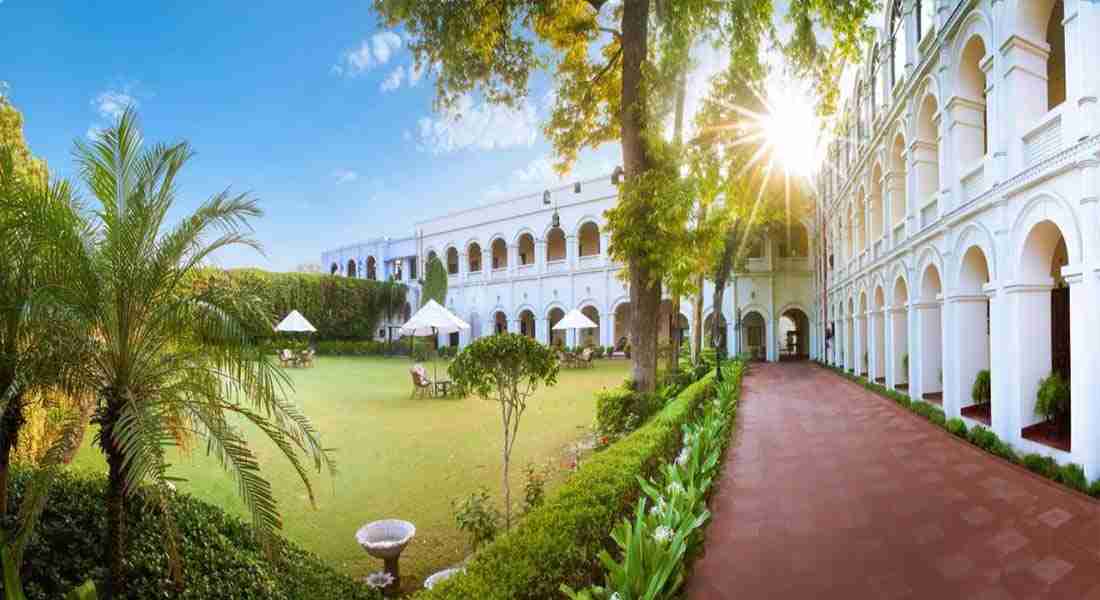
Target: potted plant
[[982, 390], [1052, 400], [905, 364]]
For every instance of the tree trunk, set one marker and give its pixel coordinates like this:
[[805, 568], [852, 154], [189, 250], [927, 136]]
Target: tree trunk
[[697, 318], [721, 276], [10, 424], [645, 288], [116, 499]]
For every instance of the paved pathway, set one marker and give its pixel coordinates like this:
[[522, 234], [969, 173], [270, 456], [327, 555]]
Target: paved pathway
[[831, 491]]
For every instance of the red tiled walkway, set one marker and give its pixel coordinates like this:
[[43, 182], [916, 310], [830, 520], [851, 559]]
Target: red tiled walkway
[[833, 492]]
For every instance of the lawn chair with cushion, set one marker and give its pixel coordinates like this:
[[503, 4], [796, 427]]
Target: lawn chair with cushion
[[307, 358], [586, 357], [286, 358], [422, 385]]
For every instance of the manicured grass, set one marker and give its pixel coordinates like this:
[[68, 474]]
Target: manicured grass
[[398, 457]]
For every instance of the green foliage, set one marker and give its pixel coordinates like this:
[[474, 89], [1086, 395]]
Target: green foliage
[[341, 308], [355, 348], [1042, 465], [1052, 399], [477, 516], [560, 541], [213, 548], [983, 387], [620, 411], [1072, 475], [435, 281], [956, 427], [86, 591], [988, 441], [534, 488]]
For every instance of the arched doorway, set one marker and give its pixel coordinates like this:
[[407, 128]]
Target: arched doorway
[[334, 269], [500, 254], [899, 311], [794, 335], [473, 257], [754, 335], [500, 323], [351, 269], [555, 245], [863, 354], [590, 337], [1045, 331], [557, 336], [623, 314], [588, 239], [526, 249], [970, 312], [878, 331], [372, 270], [931, 332], [527, 324], [452, 261]]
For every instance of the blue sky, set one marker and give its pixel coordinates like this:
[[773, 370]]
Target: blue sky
[[290, 102]]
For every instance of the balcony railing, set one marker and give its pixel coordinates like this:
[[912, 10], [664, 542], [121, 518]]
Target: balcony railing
[[899, 234], [1045, 138], [473, 275], [880, 247], [526, 269], [973, 182], [556, 266], [592, 260], [500, 273]]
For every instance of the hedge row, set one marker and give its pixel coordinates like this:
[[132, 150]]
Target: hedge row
[[560, 541], [339, 307], [1070, 475], [218, 554]]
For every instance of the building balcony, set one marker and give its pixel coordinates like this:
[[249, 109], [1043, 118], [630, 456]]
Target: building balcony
[[500, 273], [557, 266], [899, 234], [590, 261]]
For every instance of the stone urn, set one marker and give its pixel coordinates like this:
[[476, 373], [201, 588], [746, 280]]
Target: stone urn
[[386, 539], [441, 576]]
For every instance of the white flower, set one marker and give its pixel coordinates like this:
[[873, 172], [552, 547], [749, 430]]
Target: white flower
[[659, 508], [662, 534], [675, 488], [379, 580], [683, 457], [615, 596]]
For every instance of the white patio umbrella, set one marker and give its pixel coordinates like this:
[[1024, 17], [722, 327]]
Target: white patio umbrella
[[295, 323], [433, 319], [575, 319]]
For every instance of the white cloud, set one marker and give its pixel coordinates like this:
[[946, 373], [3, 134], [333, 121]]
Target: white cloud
[[480, 126], [343, 176], [110, 104], [539, 174], [539, 170], [393, 80], [374, 51]]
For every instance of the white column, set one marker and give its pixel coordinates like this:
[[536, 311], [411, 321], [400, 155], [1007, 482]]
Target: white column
[[513, 259], [969, 349], [913, 348], [931, 348], [1029, 311], [572, 251], [898, 328], [540, 255], [542, 331], [859, 347], [1000, 365], [1084, 292]]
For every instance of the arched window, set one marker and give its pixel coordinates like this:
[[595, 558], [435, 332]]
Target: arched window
[[473, 257], [555, 245], [897, 43], [372, 270], [452, 261], [795, 243], [526, 249], [1056, 62], [974, 140], [500, 254], [589, 239], [351, 268], [334, 269], [897, 187], [927, 158]]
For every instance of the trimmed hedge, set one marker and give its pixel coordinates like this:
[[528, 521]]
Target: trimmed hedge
[[1070, 475], [339, 307], [620, 411], [219, 557], [560, 541]]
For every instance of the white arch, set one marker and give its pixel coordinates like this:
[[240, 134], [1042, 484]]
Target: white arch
[[521, 232], [590, 301], [584, 220], [974, 24], [973, 234], [1046, 206]]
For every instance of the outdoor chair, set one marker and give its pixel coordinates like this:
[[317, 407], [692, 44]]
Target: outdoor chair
[[422, 385], [307, 358], [286, 358], [586, 357]]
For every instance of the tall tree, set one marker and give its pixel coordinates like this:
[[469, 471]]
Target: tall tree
[[11, 136], [435, 281], [170, 362], [613, 63]]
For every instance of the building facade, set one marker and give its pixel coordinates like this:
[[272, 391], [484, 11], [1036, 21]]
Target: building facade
[[521, 264], [957, 216]]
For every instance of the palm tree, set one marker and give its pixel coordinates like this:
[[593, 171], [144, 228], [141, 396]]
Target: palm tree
[[169, 362]]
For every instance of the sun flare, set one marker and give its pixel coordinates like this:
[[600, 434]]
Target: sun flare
[[792, 129]]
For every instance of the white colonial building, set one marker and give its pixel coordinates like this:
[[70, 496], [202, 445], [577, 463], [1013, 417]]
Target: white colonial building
[[519, 265], [958, 215]]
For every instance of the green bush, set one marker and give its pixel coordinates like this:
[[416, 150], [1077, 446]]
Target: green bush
[[937, 416], [1052, 400], [339, 307], [216, 550], [1043, 465], [1073, 476], [620, 411], [987, 440], [351, 348], [956, 427], [983, 387], [477, 516], [560, 541]]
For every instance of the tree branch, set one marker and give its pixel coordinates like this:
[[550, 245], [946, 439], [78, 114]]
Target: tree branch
[[615, 32], [596, 4], [610, 63]]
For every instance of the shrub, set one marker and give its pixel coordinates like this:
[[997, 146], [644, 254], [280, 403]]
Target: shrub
[[559, 542], [956, 427], [1052, 400], [1073, 476], [214, 549], [534, 488], [1094, 489], [983, 387], [937, 416], [1043, 465], [620, 411], [350, 348], [477, 517]]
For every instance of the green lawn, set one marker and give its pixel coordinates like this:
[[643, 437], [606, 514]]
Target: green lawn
[[398, 457]]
